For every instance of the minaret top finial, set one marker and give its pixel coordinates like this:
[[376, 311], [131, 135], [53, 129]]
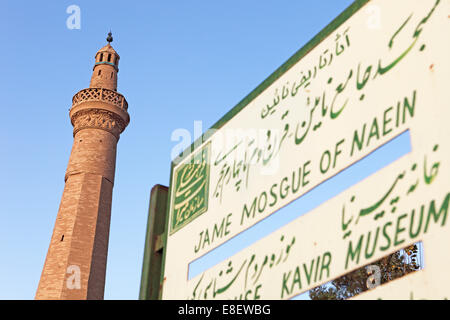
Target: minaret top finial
[[109, 38]]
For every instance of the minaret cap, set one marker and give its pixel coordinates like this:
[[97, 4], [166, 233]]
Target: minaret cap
[[109, 38], [106, 66]]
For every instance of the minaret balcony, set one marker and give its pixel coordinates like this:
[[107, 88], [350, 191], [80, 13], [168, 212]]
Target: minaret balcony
[[100, 94]]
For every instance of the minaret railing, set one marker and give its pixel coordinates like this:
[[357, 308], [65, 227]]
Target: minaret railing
[[100, 94]]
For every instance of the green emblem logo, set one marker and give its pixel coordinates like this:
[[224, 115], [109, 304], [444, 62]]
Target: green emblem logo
[[190, 189]]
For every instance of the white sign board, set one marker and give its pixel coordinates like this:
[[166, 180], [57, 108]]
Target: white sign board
[[340, 159]]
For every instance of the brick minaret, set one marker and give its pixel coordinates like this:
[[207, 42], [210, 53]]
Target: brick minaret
[[75, 265]]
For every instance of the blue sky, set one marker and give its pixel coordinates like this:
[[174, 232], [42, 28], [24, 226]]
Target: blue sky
[[181, 61]]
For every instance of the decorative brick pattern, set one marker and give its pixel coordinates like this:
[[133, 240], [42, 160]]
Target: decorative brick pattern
[[98, 119], [100, 94]]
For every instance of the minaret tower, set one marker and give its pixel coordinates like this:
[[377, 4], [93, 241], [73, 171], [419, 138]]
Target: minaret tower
[[75, 265]]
